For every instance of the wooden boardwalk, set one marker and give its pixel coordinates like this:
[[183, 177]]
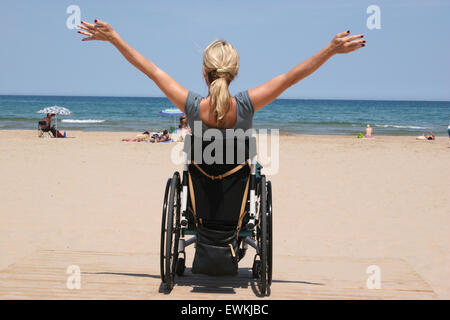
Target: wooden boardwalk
[[113, 275]]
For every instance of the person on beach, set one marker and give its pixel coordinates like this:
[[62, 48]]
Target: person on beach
[[183, 128], [144, 136], [369, 132], [165, 136], [430, 136], [220, 66], [448, 130], [422, 137], [46, 126]]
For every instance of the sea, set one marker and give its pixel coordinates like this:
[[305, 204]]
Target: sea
[[296, 116]]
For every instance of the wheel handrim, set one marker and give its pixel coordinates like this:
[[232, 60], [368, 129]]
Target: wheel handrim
[[164, 230], [269, 233], [263, 237], [171, 248]]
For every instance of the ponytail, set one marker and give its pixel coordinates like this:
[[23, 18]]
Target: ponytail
[[220, 99], [220, 65]]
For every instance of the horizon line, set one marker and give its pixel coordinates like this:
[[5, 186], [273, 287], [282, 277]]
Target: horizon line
[[164, 97]]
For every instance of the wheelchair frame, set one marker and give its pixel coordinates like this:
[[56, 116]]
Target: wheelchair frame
[[256, 234]]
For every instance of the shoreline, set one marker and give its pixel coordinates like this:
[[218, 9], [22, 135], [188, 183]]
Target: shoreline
[[281, 133]]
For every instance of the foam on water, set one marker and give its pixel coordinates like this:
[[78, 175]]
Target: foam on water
[[82, 121]]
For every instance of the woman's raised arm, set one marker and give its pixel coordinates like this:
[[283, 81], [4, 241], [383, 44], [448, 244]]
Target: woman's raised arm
[[269, 91], [104, 32]]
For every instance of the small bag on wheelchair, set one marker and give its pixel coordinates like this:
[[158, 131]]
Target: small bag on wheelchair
[[216, 252]]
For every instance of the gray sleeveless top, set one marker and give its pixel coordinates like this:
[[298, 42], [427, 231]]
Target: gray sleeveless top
[[244, 111]]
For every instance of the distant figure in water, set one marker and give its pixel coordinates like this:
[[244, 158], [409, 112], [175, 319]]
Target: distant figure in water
[[369, 132], [448, 130]]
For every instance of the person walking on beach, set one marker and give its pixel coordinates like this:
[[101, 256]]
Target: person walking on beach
[[220, 66]]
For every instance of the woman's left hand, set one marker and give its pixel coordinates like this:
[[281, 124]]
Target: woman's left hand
[[99, 31]]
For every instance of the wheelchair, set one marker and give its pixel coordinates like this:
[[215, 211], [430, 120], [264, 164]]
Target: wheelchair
[[222, 205]]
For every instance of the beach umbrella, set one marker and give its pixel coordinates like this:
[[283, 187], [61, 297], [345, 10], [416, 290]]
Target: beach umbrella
[[57, 110], [173, 112]]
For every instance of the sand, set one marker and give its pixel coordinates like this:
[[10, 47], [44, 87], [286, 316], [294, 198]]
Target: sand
[[341, 204]]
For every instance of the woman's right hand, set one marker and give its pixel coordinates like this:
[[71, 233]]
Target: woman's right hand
[[344, 43], [99, 31]]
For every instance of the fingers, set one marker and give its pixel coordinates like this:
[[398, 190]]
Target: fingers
[[100, 23], [343, 34], [85, 33], [352, 46], [88, 39], [349, 43], [356, 43], [90, 26], [90, 36], [351, 38], [83, 27]]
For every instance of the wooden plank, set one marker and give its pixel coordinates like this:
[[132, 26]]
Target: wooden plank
[[115, 275]]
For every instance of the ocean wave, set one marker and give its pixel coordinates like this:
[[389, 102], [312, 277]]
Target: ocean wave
[[82, 121], [398, 126]]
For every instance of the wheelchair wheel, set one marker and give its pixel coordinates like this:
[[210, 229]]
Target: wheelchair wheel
[[170, 231], [262, 236], [269, 234]]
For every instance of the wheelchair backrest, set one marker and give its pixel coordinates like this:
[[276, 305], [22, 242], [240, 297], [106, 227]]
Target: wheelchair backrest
[[219, 151], [217, 195]]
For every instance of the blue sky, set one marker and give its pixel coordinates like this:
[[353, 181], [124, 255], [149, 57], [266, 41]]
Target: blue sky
[[408, 58]]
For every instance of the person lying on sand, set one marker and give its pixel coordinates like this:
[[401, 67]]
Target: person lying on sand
[[422, 137], [145, 136], [430, 136], [165, 136]]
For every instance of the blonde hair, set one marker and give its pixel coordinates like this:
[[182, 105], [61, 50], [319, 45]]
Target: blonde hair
[[221, 66]]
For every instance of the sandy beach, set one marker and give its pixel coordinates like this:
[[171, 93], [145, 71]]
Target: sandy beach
[[341, 204]]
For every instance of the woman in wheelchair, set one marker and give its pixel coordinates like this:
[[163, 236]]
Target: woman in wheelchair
[[223, 205]]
